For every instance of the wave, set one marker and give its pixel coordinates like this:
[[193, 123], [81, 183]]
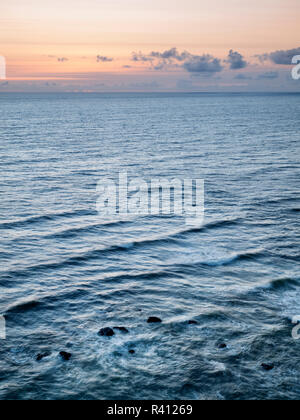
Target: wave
[[44, 301], [77, 260], [284, 256], [206, 227], [22, 307], [47, 301], [223, 223], [72, 232], [170, 237], [148, 275], [290, 199], [95, 254], [280, 284], [44, 218], [227, 260], [283, 283]]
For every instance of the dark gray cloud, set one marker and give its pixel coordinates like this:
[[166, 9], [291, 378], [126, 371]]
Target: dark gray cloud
[[281, 57], [271, 75], [203, 64], [170, 55], [127, 67], [166, 56], [236, 60], [195, 64], [139, 56], [284, 57], [103, 59], [162, 60], [62, 59]]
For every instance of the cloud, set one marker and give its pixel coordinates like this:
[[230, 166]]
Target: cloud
[[281, 57], [159, 66], [62, 59], [262, 57], [127, 67], [206, 64], [139, 56], [169, 57], [271, 75], [164, 57], [203, 64], [236, 60], [171, 54], [196, 64], [284, 57], [242, 76], [103, 59]]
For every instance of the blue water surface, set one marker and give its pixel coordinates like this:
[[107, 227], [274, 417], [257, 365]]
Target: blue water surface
[[65, 272]]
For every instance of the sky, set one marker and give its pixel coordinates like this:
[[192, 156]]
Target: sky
[[149, 45]]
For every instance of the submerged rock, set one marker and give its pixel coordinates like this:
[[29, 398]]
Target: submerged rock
[[268, 366], [192, 322], [65, 355], [222, 346], [106, 332], [122, 329], [41, 356], [153, 319]]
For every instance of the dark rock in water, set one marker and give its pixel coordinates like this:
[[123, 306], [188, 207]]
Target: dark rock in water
[[106, 332], [192, 322], [153, 319], [131, 351], [122, 329], [41, 356], [267, 366], [65, 355], [222, 346]]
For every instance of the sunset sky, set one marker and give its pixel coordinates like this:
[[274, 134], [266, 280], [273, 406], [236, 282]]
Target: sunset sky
[[149, 45]]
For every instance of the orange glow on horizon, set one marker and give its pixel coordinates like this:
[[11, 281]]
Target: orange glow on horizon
[[61, 40]]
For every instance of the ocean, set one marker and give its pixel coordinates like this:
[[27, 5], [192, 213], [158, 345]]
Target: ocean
[[65, 273]]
